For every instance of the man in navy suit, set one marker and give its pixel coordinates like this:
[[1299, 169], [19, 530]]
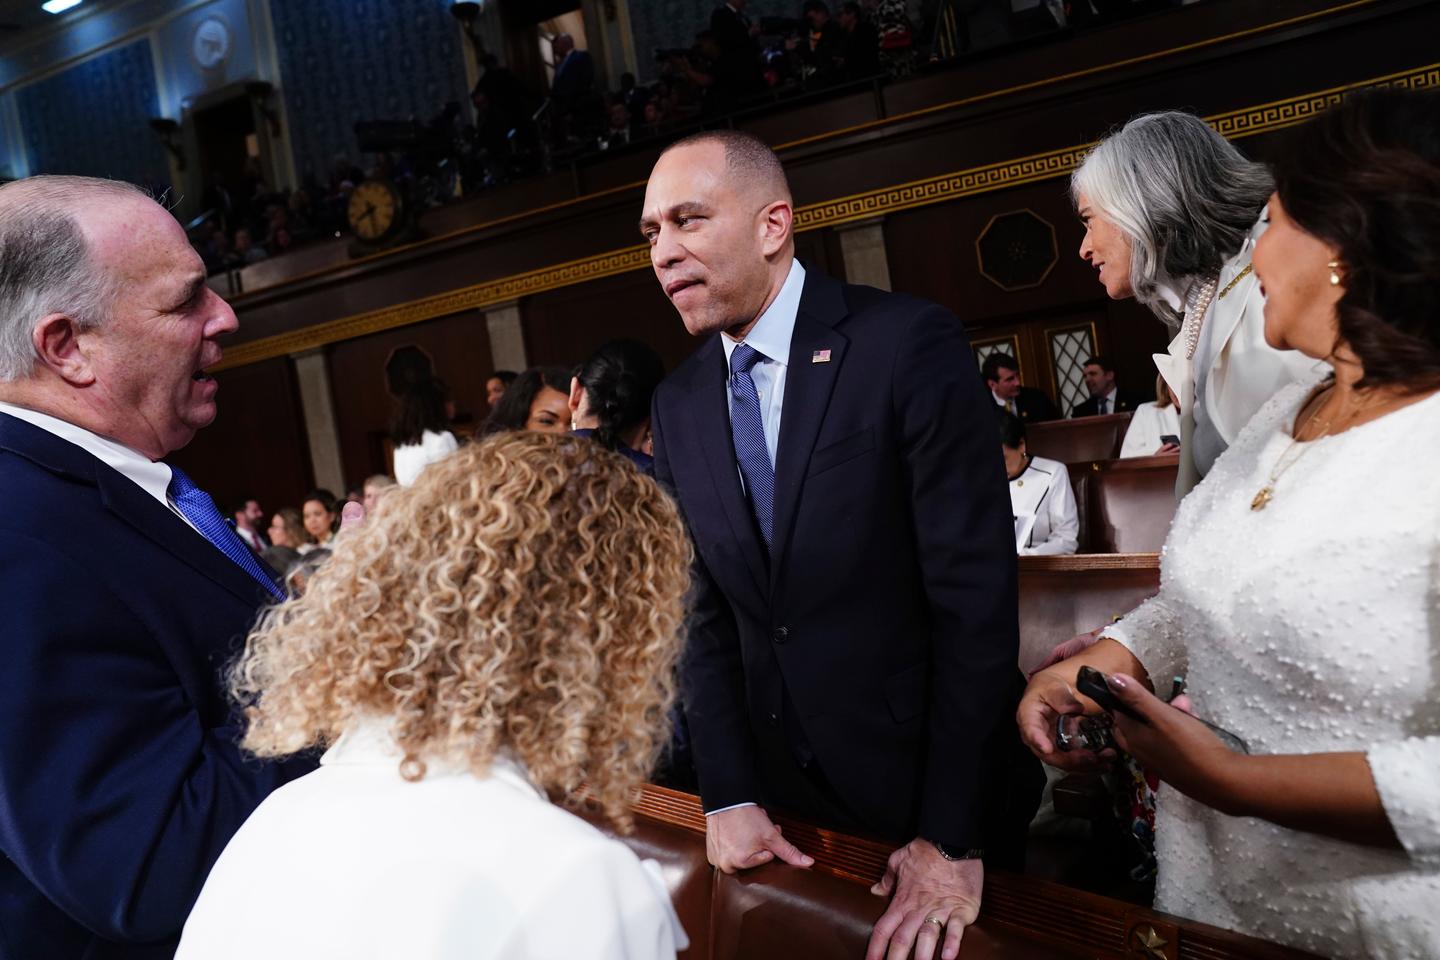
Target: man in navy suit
[[125, 592], [852, 655]]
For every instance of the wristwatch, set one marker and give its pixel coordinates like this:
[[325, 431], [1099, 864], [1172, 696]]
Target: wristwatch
[[952, 853]]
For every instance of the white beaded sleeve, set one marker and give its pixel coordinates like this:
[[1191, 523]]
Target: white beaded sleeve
[[1154, 634], [1407, 774]]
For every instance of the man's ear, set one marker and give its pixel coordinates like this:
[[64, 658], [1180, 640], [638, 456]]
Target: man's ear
[[57, 340], [776, 221], [577, 392]]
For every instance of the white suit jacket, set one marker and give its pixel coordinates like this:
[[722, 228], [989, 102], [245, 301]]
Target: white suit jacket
[[353, 861], [1042, 502], [1244, 371]]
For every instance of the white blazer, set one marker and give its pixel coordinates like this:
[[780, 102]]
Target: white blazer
[[353, 861], [1043, 505], [1244, 371]]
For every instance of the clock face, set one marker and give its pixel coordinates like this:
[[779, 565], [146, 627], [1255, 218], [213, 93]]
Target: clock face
[[211, 43], [374, 206]]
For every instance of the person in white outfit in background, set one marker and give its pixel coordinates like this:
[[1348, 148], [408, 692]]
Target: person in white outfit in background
[[1042, 501], [1154, 427]]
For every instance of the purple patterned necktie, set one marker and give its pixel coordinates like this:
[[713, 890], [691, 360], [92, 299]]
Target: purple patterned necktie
[[196, 506], [747, 427]]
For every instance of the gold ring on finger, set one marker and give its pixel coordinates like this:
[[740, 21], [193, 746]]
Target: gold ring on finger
[[937, 921]]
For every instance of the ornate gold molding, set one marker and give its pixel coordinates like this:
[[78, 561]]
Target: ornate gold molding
[[1236, 125]]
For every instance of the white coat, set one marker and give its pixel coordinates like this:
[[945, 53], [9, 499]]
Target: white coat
[[354, 861], [1242, 370]]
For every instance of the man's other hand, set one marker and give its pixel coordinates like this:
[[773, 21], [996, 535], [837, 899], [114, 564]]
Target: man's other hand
[[933, 897], [745, 837]]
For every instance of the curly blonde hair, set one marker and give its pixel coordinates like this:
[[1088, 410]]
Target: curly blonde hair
[[526, 594]]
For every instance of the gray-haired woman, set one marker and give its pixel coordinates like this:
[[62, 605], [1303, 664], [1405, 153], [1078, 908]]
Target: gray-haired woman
[[1172, 212]]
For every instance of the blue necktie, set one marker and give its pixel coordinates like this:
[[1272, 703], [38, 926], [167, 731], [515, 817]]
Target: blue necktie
[[196, 506], [747, 427]]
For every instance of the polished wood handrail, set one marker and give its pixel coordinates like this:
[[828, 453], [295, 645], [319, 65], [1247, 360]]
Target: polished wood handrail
[[1037, 909]]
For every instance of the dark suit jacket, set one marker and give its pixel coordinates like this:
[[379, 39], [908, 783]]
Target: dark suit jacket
[[574, 79], [1124, 403], [737, 72], [120, 778], [881, 640], [1033, 406]]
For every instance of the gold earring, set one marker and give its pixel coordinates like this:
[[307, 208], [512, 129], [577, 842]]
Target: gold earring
[[1334, 266]]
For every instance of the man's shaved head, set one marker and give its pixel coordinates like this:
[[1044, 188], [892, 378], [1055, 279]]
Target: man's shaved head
[[719, 222], [752, 166]]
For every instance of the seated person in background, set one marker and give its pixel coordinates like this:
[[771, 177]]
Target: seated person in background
[[1041, 499], [1106, 397], [859, 57], [421, 430], [496, 384], [247, 516], [1002, 376], [287, 529], [321, 512], [1152, 423], [374, 488], [501, 632], [539, 399], [298, 574], [1298, 584], [610, 399]]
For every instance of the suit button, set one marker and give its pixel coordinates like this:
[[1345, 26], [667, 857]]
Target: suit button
[[780, 635], [774, 720]]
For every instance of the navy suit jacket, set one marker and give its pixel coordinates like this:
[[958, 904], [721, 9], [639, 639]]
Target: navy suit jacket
[[880, 633], [120, 777]]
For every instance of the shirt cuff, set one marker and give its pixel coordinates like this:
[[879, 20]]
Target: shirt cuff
[[733, 806]]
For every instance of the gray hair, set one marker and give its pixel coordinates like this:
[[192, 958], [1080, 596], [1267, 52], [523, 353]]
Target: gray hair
[[45, 263], [1182, 193]]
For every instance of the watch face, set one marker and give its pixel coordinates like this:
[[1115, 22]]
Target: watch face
[[373, 208], [211, 43]]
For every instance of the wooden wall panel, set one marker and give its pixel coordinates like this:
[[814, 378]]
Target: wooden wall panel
[[460, 347], [564, 326], [932, 254], [257, 445]]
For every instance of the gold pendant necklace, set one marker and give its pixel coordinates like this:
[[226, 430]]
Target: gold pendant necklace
[[1267, 493]]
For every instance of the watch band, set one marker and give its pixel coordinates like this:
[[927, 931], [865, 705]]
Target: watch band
[[953, 853]]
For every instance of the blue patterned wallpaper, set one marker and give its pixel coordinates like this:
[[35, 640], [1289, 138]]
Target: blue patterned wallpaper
[[362, 60], [94, 119]]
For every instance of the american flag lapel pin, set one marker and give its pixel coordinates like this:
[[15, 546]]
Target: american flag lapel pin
[[820, 356]]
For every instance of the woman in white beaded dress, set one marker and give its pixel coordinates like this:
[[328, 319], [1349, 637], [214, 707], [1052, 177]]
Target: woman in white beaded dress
[[1172, 212], [1300, 585]]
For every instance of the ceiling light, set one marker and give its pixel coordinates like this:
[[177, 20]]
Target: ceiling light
[[58, 6]]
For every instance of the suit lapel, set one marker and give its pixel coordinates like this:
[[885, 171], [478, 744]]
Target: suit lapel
[[126, 500], [808, 385], [137, 508], [710, 410]]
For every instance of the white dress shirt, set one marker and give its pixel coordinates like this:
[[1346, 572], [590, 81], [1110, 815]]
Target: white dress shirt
[[152, 476], [354, 861], [771, 336]]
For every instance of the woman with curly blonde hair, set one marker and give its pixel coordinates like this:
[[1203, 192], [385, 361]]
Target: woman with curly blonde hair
[[500, 635]]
